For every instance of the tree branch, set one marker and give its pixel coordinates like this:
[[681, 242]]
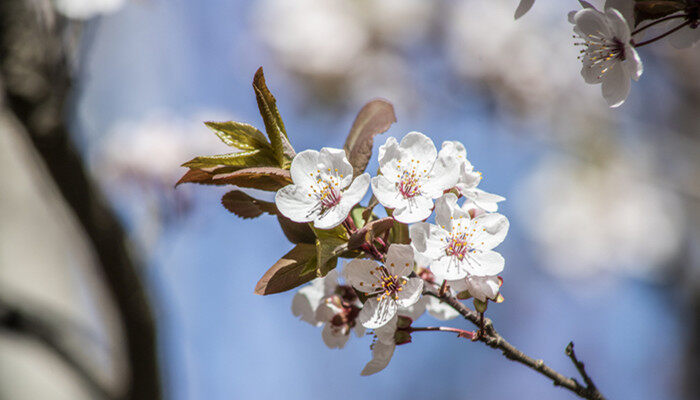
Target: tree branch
[[493, 339]]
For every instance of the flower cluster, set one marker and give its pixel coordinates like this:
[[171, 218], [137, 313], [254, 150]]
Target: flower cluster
[[383, 288]]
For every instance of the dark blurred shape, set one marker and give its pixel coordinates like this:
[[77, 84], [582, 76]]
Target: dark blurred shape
[[36, 75]]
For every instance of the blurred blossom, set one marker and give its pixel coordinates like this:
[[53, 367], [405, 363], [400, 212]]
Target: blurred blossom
[[594, 218], [317, 37], [529, 65], [140, 158], [85, 9]]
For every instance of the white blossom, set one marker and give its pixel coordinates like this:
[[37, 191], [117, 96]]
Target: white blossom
[[325, 302], [608, 56], [388, 284], [412, 175], [323, 189], [382, 348], [460, 245], [469, 179], [479, 287]]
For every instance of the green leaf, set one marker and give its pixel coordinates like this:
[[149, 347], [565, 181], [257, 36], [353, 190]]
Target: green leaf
[[399, 233], [655, 9], [480, 306], [282, 149], [330, 244], [239, 135], [262, 178], [246, 206], [286, 274], [374, 118], [243, 159]]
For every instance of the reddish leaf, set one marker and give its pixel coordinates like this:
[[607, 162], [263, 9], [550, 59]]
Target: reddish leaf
[[286, 273], [374, 118], [370, 231], [296, 232], [263, 178], [246, 206]]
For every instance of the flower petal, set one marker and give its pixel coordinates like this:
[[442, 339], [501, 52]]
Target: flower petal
[[633, 63], [389, 156], [415, 209], [446, 169], [353, 194], [411, 292], [592, 22], [485, 263], [332, 217], [337, 162], [386, 193], [619, 26], [486, 201], [294, 202], [616, 85], [483, 287], [445, 208], [303, 169], [415, 310], [376, 313], [381, 355], [399, 259], [426, 239], [306, 301], [333, 337], [357, 273], [449, 267], [440, 310], [490, 231], [418, 147]]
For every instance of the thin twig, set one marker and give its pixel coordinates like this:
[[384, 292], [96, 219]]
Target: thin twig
[[460, 332], [636, 31], [652, 40], [493, 339]]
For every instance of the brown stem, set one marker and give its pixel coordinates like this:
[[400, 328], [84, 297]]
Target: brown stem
[[652, 40], [636, 31], [493, 339]]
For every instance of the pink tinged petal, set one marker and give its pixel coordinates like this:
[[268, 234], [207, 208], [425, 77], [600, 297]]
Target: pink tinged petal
[[416, 310], [618, 24], [616, 85], [294, 202], [381, 355], [592, 22], [411, 292], [399, 259], [376, 313], [440, 310], [570, 16], [415, 209], [449, 267], [386, 193], [336, 159], [419, 147], [304, 167], [684, 37], [333, 337], [358, 274], [523, 7], [389, 156], [458, 285], [633, 63], [489, 230], [485, 263]]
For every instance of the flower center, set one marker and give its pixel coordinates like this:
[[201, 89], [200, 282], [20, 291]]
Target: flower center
[[326, 189], [409, 180], [387, 285], [601, 52], [459, 246]]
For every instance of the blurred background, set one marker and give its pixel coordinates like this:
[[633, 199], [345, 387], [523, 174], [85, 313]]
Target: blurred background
[[116, 285]]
